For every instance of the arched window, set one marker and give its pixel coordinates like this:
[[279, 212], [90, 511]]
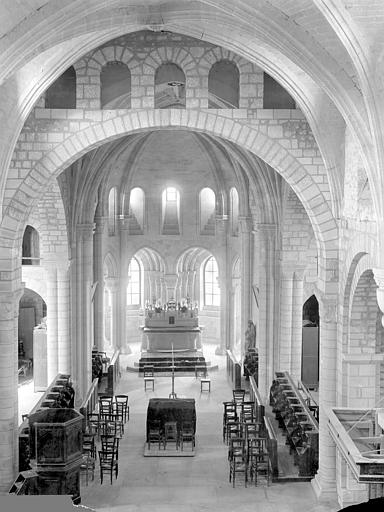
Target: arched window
[[134, 289], [169, 86], [30, 249], [136, 211], [223, 85], [211, 286], [171, 211], [207, 211], [112, 211], [234, 206], [275, 96], [62, 93], [115, 83]]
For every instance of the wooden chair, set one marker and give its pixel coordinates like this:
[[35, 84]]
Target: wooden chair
[[238, 464], [155, 434], [149, 377], [121, 404], [171, 434], [247, 412], [259, 462], [238, 396], [108, 463], [89, 445], [233, 429], [236, 447], [229, 414], [110, 443], [187, 434], [93, 423], [87, 466], [105, 407]]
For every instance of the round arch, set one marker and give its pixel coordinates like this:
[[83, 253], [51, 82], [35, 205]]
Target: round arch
[[268, 149]]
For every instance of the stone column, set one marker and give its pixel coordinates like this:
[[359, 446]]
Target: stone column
[[52, 324], [297, 322], [324, 482], [285, 331], [98, 277], [63, 308], [81, 313], [268, 326], [9, 310], [225, 287], [246, 275], [112, 285]]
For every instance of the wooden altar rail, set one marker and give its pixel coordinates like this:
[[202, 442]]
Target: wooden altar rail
[[90, 401], [254, 396], [113, 373], [233, 370]]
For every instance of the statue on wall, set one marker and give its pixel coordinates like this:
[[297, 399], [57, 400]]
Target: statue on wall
[[250, 336]]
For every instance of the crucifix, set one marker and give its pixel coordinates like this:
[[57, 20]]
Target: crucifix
[[173, 394]]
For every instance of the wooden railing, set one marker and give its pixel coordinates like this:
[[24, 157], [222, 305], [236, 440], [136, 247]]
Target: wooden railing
[[233, 370], [113, 373], [254, 396], [90, 401], [309, 400], [272, 446]]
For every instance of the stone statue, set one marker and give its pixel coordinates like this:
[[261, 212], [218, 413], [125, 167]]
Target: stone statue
[[250, 336]]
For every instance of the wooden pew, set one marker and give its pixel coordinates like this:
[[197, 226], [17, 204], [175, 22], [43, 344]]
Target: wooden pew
[[302, 429]]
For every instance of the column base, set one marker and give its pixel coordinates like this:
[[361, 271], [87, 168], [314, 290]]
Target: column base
[[324, 492], [220, 351]]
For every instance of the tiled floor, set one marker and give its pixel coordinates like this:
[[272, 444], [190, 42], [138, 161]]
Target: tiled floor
[[193, 484]]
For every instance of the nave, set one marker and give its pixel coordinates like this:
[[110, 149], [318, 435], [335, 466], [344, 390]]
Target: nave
[[187, 483]]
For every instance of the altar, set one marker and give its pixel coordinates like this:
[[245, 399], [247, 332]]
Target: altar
[[171, 338], [171, 409]]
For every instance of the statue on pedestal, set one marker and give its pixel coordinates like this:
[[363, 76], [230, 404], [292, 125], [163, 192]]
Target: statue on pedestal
[[250, 336]]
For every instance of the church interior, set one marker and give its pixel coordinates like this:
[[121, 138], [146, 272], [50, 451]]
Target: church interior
[[191, 237]]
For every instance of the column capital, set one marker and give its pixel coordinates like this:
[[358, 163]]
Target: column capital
[[292, 269], [245, 223], [100, 222], [328, 309], [85, 231], [112, 283]]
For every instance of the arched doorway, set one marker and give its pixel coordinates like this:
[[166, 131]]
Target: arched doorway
[[310, 344]]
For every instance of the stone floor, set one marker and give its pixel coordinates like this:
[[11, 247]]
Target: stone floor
[[193, 484]]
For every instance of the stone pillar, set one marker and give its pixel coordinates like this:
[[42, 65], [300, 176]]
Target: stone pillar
[[324, 482], [268, 326], [225, 287], [112, 285], [297, 322], [246, 275], [98, 277], [81, 312], [63, 308], [285, 331], [52, 324], [9, 310]]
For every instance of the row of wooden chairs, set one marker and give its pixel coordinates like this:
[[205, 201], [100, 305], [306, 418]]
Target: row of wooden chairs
[[170, 434], [244, 413], [249, 458], [107, 425]]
